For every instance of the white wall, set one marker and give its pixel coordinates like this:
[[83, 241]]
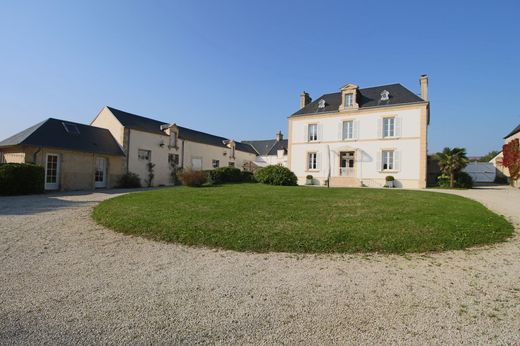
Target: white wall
[[367, 145], [266, 160], [208, 153]]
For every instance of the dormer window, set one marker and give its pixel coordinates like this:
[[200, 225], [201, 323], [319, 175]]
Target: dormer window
[[173, 139], [385, 95], [321, 104], [349, 100]]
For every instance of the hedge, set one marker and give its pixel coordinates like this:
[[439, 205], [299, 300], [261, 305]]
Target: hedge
[[225, 175], [21, 179], [276, 175]]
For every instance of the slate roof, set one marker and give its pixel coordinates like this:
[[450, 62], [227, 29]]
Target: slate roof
[[515, 131], [52, 133], [268, 147], [137, 122], [367, 97]]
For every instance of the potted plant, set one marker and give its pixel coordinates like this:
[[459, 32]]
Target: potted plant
[[309, 180], [389, 181]]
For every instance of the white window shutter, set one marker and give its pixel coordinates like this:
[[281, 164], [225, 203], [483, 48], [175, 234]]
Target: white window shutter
[[380, 128], [355, 134], [379, 163], [320, 132], [306, 133], [397, 160], [318, 160], [397, 127], [340, 130]]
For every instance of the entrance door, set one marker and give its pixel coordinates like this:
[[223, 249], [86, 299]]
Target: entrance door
[[347, 163], [52, 172], [100, 178]]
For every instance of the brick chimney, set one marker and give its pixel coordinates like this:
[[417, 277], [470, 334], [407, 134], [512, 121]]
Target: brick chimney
[[305, 99], [279, 136], [424, 87]]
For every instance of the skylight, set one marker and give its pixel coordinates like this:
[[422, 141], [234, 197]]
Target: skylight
[[71, 128]]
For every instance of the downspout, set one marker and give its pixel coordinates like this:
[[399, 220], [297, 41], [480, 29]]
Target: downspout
[[36, 153]]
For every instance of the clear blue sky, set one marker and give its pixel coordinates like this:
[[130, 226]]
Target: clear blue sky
[[236, 68]]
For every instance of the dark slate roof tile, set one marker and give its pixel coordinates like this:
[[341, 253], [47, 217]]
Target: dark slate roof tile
[[515, 131], [367, 97], [52, 133], [268, 146], [141, 123]]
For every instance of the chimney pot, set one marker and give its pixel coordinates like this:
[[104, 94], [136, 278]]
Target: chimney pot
[[279, 136]]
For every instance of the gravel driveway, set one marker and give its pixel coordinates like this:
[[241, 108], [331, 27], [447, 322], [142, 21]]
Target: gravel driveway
[[65, 280]]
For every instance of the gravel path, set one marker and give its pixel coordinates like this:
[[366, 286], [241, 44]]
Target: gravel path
[[65, 280]]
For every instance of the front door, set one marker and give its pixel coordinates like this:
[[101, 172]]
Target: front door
[[347, 163], [100, 177], [52, 172]]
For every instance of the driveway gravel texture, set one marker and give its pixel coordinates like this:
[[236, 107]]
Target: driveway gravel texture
[[66, 280]]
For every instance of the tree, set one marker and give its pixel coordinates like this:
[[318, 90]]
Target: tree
[[488, 156], [451, 162], [511, 160]]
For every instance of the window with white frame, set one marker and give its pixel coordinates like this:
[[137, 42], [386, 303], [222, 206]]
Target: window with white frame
[[215, 163], [312, 161], [349, 100], [348, 129], [144, 154], [313, 132], [389, 127], [387, 160]]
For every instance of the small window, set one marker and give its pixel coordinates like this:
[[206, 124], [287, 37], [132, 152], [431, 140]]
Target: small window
[[321, 104], [389, 127], [348, 129], [349, 100], [387, 160], [312, 161], [313, 132], [173, 159], [144, 154], [173, 139], [215, 163], [71, 128], [231, 164], [385, 95]]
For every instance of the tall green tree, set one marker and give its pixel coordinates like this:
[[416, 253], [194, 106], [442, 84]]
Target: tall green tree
[[452, 161]]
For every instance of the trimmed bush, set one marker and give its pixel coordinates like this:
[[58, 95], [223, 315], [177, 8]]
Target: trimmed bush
[[276, 175], [21, 179], [129, 181], [225, 175], [194, 178], [248, 177], [464, 180]]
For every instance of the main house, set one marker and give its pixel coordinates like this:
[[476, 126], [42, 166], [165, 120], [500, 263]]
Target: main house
[[169, 146], [359, 136]]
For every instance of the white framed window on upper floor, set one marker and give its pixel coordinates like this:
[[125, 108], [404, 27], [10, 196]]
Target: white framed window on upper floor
[[312, 132], [347, 130], [173, 140], [313, 162], [349, 100], [143, 154], [389, 127]]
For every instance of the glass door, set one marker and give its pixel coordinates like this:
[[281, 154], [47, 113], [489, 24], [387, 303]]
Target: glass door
[[100, 177], [52, 172]]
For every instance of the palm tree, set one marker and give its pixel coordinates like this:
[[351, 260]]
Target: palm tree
[[452, 161]]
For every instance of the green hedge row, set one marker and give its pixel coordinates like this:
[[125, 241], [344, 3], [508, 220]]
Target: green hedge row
[[21, 179]]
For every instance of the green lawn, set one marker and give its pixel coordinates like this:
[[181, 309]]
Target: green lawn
[[256, 217]]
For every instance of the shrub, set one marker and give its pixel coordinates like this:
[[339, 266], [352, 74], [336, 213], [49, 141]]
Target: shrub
[[225, 175], [248, 177], [389, 178], [21, 179], [276, 175], [443, 181], [129, 181], [194, 178], [464, 180]]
